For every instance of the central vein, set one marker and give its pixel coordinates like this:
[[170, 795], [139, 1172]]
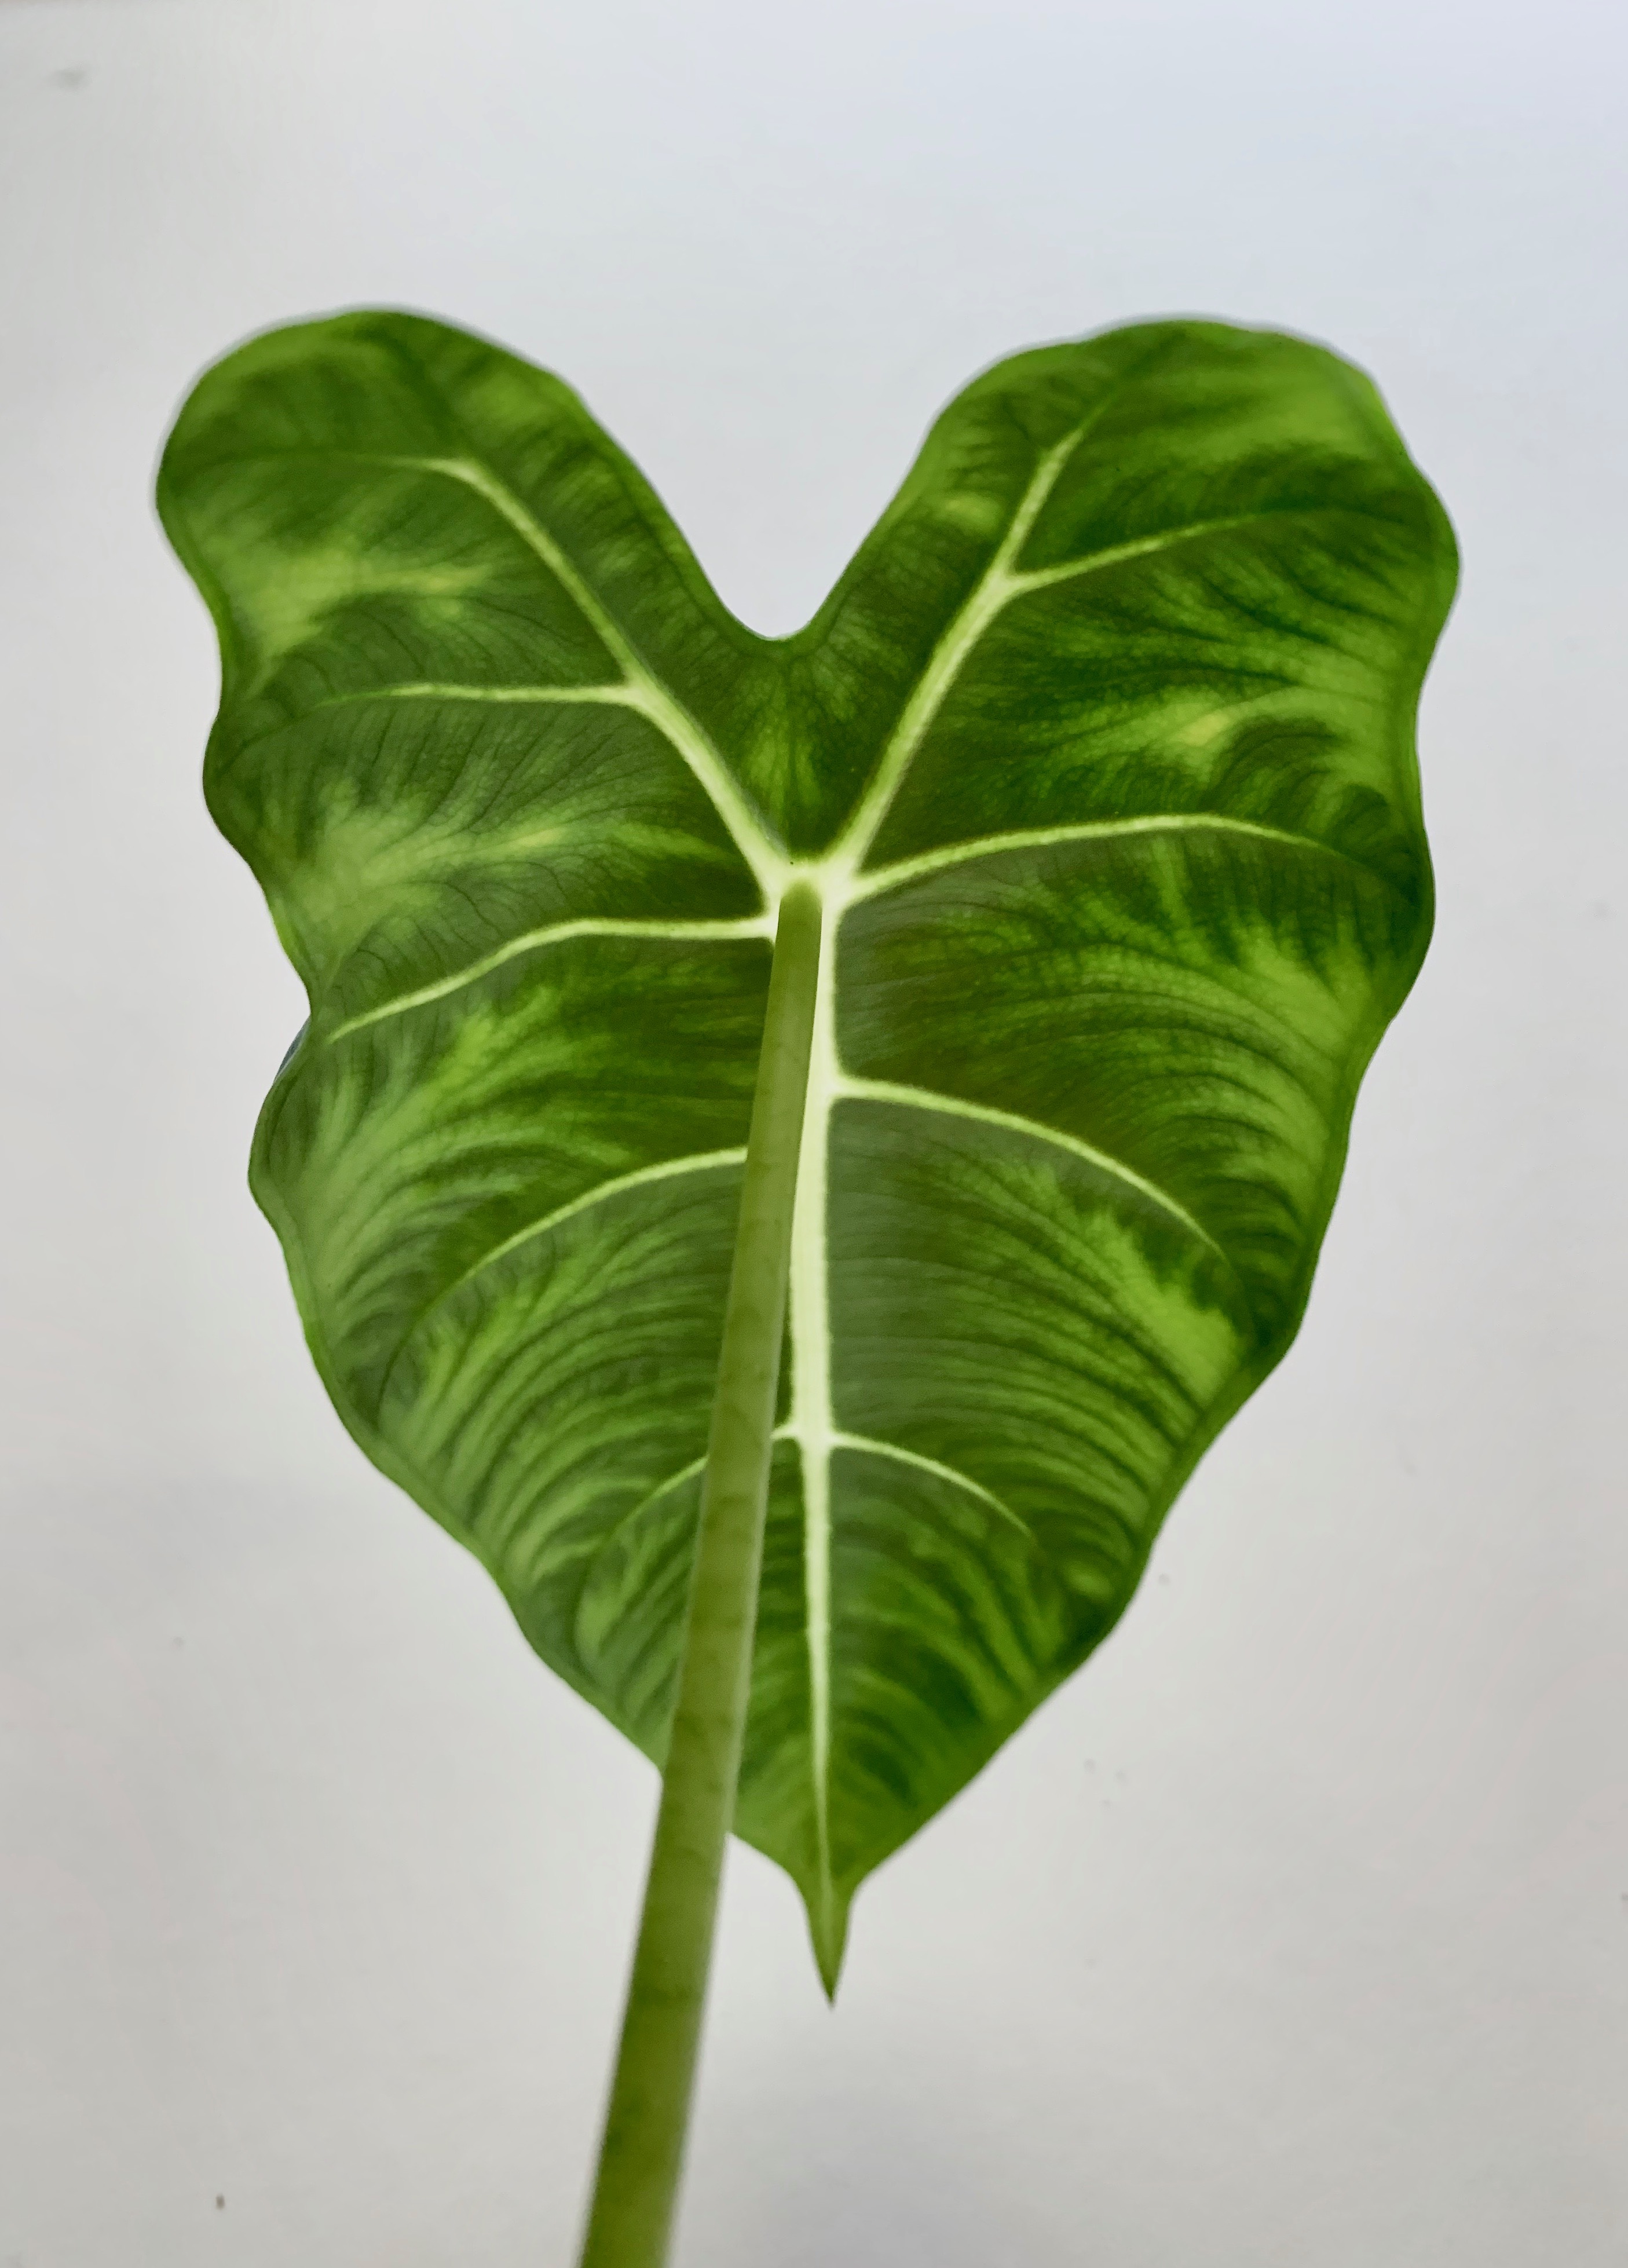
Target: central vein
[[813, 1422], [836, 879]]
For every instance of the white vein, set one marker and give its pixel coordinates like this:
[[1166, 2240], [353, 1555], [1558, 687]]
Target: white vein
[[645, 690], [950, 1105], [536, 940], [563, 696], [903, 871], [813, 1418], [625, 1520], [1092, 562], [995, 590], [867, 1444], [698, 1161]]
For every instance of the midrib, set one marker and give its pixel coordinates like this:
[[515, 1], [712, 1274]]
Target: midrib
[[814, 1416]]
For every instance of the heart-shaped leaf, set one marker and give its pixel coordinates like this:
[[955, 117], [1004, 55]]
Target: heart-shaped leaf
[[1101, 755]]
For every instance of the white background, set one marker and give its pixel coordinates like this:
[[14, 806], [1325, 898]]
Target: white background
[[1294, 1934]]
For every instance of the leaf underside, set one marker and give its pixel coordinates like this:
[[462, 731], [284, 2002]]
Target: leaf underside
[[1101, 754]]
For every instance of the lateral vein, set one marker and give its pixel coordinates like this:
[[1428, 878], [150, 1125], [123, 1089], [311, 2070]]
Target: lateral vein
[[1092, 562], [904, 871], [556, 696], [868, 1446], [535, 941], [563, 696], [700, 1162], [650, 695], [625, 1519], [992, 591], [949, 1106]]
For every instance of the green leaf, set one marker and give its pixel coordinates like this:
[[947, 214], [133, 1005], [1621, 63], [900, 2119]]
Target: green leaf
[[1101, 755]]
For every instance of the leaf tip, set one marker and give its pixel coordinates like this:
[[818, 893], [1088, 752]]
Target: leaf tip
[[827, 1928]]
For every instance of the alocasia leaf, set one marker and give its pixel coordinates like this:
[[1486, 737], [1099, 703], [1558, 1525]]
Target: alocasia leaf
[[1101, 756]]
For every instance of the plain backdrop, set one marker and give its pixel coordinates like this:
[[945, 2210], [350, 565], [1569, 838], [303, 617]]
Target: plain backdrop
[[1294, 1934]]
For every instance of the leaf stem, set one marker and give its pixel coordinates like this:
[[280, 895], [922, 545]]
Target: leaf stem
[[636, 2188]]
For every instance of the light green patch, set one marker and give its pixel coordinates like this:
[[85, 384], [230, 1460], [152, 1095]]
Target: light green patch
[[292, 600]]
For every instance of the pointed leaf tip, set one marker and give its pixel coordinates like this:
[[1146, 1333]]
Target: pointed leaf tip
[[828, 1930]]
